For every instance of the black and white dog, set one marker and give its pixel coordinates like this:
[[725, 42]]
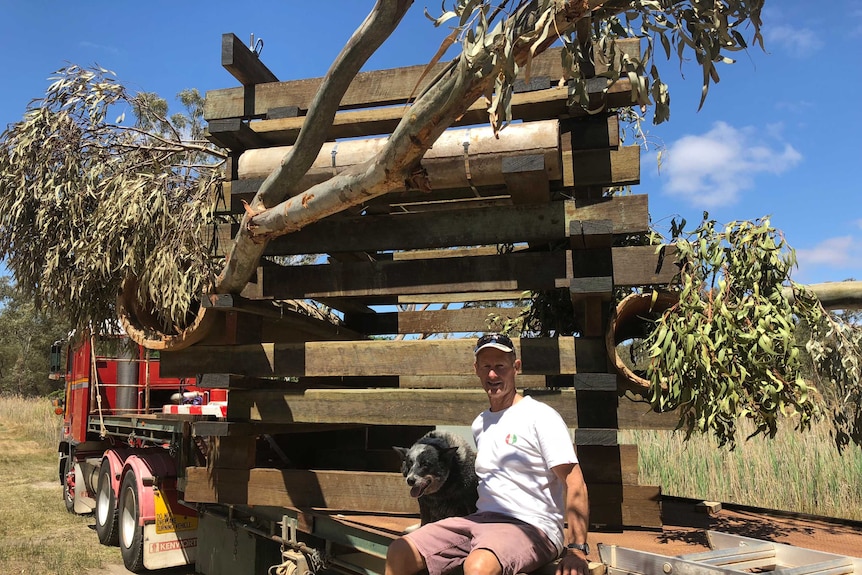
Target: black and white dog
[[440, 469]]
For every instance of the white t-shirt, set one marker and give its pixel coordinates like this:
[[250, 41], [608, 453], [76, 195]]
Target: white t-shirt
[[516, 449]]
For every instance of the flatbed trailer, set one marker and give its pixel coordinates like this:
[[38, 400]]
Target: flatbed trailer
[[269, 447]]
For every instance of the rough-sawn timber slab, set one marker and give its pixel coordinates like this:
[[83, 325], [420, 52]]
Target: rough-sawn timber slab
[[370, 358]]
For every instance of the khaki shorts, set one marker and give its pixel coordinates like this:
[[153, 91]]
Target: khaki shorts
[[519, 547]]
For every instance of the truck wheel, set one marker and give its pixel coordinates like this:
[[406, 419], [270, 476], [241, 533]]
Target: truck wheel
[[69, 484], [106, 508], [131, 534]]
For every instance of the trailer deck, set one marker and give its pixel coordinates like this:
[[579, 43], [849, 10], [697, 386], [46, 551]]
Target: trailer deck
[[356, 543]]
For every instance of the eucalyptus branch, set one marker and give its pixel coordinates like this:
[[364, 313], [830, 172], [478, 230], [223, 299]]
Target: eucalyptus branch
[[476, 72], [246, 250]]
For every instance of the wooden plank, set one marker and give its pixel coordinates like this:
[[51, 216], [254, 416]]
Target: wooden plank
[[639, 415], [620, 167], [517, 271], [353, 490], [527, 107], [446, 163], [590, 133], [633, 266], [233, 428], [577, 381], [381, 492], [513, 273], [541, 356], [455, 297], [591, 234], [233, 134], [601, 287], [242, 63], [375, 88], [232, 452], [494, 225], [228, 381], [604, 437], [642, 266], [526, 179], [290, 315], [380, 407], [463, 381], [432, 321], [616, 464], [625, 505], [360, 459], [375, 121]]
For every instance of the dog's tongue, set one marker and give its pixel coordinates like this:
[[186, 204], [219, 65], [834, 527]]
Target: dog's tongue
[[416, 491]]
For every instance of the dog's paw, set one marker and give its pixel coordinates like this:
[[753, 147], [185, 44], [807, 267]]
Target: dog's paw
[[412, 528]]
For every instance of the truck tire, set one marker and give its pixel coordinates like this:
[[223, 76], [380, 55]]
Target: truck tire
[[107, 522], [68, 481], [131, 532]]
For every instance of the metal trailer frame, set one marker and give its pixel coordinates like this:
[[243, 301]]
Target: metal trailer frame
[[730, 555]]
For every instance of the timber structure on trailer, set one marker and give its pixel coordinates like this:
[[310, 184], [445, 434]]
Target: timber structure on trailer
[[316, 401]]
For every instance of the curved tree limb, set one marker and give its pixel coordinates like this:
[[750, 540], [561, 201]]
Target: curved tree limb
[[377, 27], [833, 295], [432, 113]]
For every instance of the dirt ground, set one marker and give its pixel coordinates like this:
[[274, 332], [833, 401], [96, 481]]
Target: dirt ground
[[121, 570]]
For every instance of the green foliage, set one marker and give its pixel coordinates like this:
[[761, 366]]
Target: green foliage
[[87, 202], [835, 349], [26, 335], [708, 30], [728, 349], [543, 314]]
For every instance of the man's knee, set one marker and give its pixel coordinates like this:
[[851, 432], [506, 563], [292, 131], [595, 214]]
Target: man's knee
[[482, 562], [403, 559]]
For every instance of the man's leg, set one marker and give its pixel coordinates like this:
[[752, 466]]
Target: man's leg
[[482, 562], [403, 559]]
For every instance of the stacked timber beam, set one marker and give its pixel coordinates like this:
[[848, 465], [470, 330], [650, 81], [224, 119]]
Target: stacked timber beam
[[316, 399]]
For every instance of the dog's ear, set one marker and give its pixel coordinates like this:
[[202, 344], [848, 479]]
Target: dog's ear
[[447, 454], [402, 451]]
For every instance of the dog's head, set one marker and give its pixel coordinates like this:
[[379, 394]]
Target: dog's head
[[426, 466]]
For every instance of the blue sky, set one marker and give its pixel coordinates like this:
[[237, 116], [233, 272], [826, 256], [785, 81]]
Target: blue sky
[[775, 136]]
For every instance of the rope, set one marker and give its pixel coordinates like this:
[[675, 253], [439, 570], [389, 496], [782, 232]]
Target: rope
[[103, 431], [466, 144]]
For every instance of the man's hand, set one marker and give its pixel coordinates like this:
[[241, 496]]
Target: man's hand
[[573, 563]]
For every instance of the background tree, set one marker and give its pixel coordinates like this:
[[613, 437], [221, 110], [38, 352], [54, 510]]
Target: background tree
[[26, 335], [89, 201]]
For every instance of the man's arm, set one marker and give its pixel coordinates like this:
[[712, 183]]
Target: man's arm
[[577, 514]]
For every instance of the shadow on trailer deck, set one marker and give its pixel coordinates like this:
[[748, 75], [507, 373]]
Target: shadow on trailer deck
[[684, 532]]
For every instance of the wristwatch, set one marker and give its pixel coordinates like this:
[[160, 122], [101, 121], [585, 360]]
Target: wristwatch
[[580, 547]]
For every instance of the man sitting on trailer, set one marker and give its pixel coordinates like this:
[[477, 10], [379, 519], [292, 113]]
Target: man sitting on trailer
[[529, 483]]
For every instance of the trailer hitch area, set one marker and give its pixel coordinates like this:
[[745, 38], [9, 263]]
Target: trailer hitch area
[[297, 558], [293, 563]]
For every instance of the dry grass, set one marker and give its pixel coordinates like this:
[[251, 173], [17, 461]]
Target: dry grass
[[795, 472], [37, 535]]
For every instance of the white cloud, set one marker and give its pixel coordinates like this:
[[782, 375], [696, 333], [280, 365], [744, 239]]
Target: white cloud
[[796, 41], [856, 28], [99, 47], [842, 253], [711, 169]]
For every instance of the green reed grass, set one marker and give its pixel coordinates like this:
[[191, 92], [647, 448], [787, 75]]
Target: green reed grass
[[796, 472]]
